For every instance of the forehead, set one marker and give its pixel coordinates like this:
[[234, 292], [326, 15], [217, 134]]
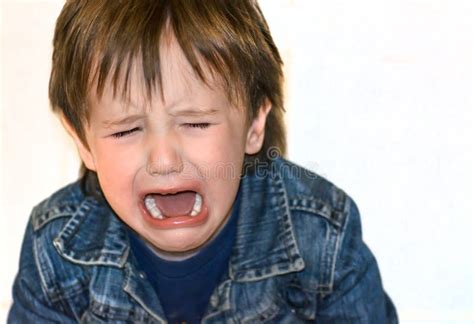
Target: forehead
[[178, 84]]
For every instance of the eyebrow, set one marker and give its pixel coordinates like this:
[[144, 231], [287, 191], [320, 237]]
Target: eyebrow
[[126, 120], [194, 111]]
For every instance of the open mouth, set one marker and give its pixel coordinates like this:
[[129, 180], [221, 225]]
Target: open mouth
[[185, 203]]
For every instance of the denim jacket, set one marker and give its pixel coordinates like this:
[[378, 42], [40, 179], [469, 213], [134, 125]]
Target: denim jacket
[[298, 257]]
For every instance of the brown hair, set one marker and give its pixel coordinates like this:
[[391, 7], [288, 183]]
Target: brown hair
[[100, 39]]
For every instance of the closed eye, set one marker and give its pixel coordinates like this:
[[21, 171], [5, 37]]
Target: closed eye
[[125, 133], [198, 125]]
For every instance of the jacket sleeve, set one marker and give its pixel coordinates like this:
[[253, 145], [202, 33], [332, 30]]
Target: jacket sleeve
[[357, 294], [30, 301]]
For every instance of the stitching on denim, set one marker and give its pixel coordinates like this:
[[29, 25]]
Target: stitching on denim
[[219, 300], [295, 255], [337, 246], [126, 288], [289, 247], [95, 257], [300, 203], [43, 274], [42, 217]]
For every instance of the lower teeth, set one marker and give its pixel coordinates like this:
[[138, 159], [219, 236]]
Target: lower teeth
[[152, 208], [197, 205], [156, 213]]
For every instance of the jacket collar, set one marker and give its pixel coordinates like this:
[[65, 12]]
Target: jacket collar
[[265, 244], [93, 236]]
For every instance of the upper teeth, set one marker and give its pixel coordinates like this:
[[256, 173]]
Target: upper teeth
[[153, 209]]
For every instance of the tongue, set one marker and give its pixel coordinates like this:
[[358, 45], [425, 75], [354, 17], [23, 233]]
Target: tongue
[[176, 204]]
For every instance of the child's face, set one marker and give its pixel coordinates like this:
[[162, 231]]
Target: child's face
[[191, 139]]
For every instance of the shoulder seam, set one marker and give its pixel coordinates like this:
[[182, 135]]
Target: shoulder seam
[[62, 203], [317, 207], [339, 238], [41, 217]]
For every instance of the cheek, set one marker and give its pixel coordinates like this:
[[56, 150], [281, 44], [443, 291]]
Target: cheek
[[116, 167], [224, 143], [220, 162]]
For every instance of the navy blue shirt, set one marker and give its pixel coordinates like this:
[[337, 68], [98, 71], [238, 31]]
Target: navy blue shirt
[[184, 287]]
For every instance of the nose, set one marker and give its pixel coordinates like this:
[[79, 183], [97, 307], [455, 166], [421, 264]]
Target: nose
[[164, 156]]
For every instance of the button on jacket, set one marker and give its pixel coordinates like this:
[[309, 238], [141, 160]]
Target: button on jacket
[[298, 257]]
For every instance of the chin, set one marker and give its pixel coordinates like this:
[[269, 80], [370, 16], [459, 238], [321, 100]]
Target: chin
[[183, 241]]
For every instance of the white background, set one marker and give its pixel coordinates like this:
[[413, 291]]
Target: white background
[[379, 100]]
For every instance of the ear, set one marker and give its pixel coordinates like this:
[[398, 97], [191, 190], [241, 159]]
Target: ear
[[84, 152], [256, 132]]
